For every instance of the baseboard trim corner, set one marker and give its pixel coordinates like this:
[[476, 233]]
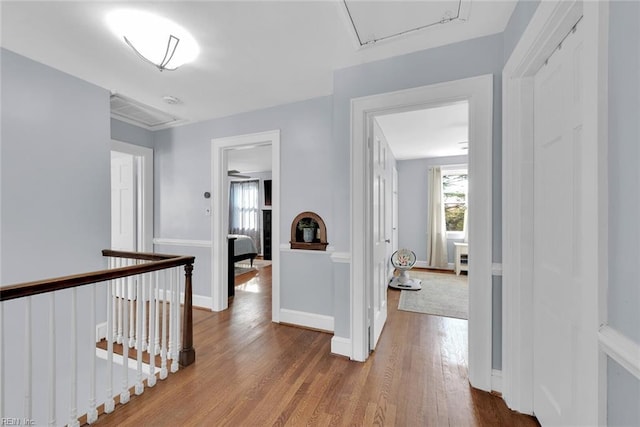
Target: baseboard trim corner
[[307, 320], [341, 346]]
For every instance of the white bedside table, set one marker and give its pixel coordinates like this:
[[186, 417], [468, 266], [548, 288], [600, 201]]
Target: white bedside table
[[462, 249]]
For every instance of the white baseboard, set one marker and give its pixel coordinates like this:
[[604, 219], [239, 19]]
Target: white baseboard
[[341, 346], [496, 380], [200, 301], [424, 264], [307, 320]]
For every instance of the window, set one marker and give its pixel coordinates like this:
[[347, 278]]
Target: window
[[454, 197], [243, 209]]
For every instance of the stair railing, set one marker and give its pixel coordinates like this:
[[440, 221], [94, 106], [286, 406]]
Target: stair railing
[[137, 319]]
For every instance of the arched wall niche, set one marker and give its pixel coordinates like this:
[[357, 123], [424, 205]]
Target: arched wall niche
[[316, 237]]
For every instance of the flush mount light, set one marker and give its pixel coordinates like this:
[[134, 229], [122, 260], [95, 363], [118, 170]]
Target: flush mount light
[[157, 40]]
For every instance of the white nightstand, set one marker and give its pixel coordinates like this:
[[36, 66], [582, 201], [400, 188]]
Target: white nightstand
[[462, 257]]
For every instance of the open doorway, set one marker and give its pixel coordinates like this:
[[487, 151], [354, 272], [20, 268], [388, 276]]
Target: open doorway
[[237, 160], [250, 176], [429, 149], [478, 91], [131, 197]]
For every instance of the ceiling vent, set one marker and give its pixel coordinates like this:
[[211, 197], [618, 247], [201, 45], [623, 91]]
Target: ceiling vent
[[139, 114]]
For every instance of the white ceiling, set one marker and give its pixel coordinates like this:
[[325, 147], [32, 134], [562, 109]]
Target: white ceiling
[[434, 132], [254, 159], [254, 54]]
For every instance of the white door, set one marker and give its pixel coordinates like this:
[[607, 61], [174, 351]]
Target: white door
[[381, 237], [557, 219], [123, 202]]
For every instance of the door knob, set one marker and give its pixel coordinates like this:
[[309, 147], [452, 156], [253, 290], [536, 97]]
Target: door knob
[[387, 240]]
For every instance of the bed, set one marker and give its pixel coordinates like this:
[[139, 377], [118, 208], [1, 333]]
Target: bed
[[240, 247], [243, 248]]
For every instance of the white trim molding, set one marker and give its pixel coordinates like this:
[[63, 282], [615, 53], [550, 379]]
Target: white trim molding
[[307, 320], [285, 247], [182, 242], [496, 381], [341, 346], [478, 91], [552, 21], [341, 258], [621, 349]]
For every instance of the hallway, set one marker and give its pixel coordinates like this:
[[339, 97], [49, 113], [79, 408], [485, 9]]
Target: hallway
[[252, 372]]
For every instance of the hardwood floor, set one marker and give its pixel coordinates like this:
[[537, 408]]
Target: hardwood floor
[[252, 372]]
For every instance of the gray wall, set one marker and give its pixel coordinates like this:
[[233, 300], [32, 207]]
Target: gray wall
[[624, 202], [55, 219], [125, 132], [183, 174], [413, 182], [55, 172], [470, 58]]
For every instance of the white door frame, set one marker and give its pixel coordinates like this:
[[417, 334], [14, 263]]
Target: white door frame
[[479, 92], [220, 214], [144, 189], [550, 24]]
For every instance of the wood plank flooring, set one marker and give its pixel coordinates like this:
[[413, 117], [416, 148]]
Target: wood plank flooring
[[252, 372]]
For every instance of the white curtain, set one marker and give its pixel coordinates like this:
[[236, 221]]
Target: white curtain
[[243, 209], [437, 231]]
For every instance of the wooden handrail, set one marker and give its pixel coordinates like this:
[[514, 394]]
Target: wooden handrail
[[156, 262], [159, 262]]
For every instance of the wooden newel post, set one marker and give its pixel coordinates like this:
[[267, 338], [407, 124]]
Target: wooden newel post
[[188, 353]]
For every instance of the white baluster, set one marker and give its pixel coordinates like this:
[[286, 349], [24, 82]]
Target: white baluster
[[143, 337], [111, 336], [139, 386], [151, 380], [109, 403], [171, 285], [120, 291], [131, 296], [124, 394], [92, 412], [52, 359], [175, 313], [179, 276], [73, 413], [163, 349], [27, 360], [2, 360], [157, 288]]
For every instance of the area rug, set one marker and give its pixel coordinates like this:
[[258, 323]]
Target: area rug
[[441, 295], [242, 269]]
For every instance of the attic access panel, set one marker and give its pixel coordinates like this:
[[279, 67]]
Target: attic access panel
[[374, 21]]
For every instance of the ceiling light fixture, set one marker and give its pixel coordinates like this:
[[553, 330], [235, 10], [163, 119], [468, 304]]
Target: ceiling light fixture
[[157, 40]]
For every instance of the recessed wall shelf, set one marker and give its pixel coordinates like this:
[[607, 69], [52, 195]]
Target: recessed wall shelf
[[309, 232]]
